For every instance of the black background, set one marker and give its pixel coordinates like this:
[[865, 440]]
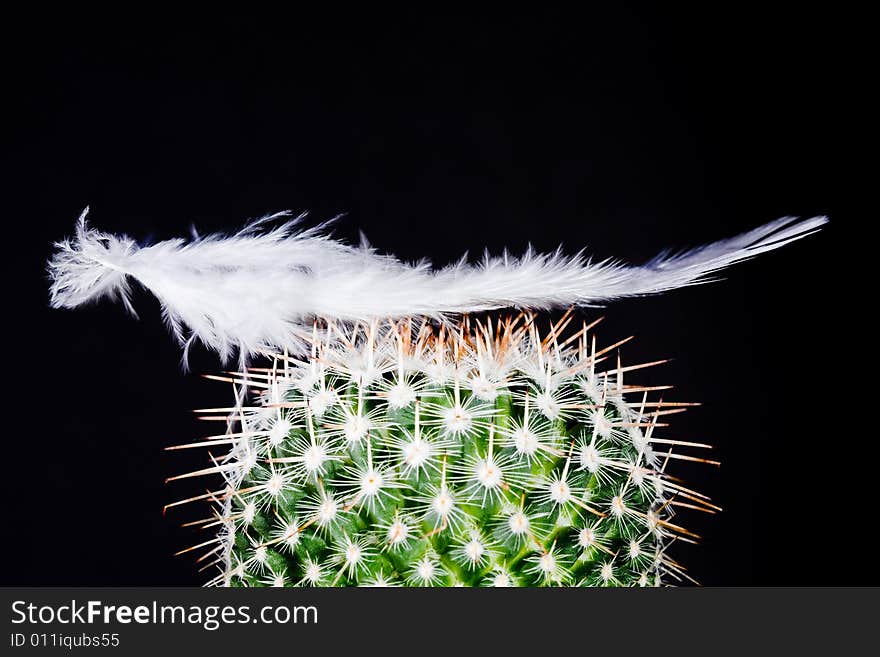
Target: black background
[[626, 130]]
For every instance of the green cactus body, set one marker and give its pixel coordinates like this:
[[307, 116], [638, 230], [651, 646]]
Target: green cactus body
[[485, 454]]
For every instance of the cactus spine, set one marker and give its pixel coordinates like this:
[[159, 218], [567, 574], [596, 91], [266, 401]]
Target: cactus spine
[[485, 453]]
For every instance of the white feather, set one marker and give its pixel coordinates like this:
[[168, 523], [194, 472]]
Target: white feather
[[261, 287]]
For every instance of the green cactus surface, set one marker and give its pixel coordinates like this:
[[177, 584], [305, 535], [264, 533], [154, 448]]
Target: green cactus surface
[[486, 453]]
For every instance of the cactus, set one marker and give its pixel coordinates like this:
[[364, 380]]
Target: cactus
[[480, 454]]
